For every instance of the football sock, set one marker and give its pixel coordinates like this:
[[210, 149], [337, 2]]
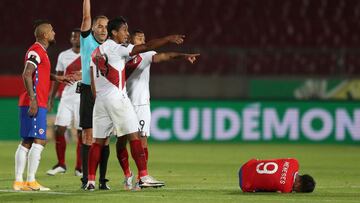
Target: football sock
[[85, 157], [146, 154], [60, 147], [95, 154], [34, 161], [105, 152], [137, 152], [20, 162], [78, 154], [123, 157]]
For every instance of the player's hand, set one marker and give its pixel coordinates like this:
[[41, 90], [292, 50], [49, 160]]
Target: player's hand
[[33, 109], [177, 39], [67, 79], [191, 57], [77, 75]]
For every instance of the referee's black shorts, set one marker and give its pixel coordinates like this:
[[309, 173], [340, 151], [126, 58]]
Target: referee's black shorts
[[86, 106]]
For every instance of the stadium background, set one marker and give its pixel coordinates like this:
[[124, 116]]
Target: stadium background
[[276, 78], [258, 54]]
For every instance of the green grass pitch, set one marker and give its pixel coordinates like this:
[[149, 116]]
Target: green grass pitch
[[196, 173]]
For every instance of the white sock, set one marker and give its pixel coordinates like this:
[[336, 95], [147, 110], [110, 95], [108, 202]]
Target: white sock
[[33, 161], [20, 162]]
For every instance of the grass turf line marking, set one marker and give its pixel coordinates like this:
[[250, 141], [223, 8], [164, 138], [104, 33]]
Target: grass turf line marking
[[37, 192]]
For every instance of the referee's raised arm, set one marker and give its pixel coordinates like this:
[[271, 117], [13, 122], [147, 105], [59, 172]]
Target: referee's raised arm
[[86, 19]]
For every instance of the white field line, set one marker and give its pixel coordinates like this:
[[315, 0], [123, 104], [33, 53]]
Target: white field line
[[288, 198], [234, 188], [337, 187], [37, 192], [253, 197]]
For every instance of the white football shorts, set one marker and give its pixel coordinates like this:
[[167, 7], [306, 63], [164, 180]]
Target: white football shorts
[[144, 117], [114, 113], [68, 112]]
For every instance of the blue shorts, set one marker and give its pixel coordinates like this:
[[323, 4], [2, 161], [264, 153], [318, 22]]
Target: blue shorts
[[32, 127]]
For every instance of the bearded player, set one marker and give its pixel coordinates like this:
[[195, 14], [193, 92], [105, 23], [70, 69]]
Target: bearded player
[[32, 107]]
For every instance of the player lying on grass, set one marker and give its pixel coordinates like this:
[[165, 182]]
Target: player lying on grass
[[275, 175], [137, 85]]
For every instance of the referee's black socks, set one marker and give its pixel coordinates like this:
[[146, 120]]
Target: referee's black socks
[[105, 152], [85, 158]]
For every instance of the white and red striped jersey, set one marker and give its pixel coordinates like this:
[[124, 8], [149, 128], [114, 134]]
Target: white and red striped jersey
[[138, 78], [108, 62], [69, 62]]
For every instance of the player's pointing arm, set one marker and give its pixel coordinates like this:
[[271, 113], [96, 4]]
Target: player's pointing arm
[[156, 43], [160, 57]]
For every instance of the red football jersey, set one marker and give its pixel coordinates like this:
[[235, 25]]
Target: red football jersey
[[37, 56], [276, 175]]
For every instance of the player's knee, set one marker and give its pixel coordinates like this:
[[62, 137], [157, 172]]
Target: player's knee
[[87, 137], [107, 141], [27, 143], [79, 133], [121, 141], [133, 136], [88, 141], [144, 143], [100, 141], [40, 141], [60, 131]]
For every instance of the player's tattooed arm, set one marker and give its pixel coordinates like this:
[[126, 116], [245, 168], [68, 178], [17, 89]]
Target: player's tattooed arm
[[86, 18], [54, 89], [28, 83], [160, 57], [156, 43]]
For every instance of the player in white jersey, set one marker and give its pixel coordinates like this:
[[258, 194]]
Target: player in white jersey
[[113, 108], [137, 85], [68, 111]]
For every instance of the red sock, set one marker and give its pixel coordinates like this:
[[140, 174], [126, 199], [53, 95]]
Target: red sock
[[60, 146], [94, 158], [78, 154], [123, 157], [146, 154], [138, 154]]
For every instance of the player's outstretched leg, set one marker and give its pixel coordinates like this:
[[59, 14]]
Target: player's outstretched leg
[[138, 154], [60, 147], [123, 158]]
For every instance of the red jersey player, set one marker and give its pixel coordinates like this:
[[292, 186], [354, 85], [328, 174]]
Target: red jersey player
[[32, 106], [275, 175]]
